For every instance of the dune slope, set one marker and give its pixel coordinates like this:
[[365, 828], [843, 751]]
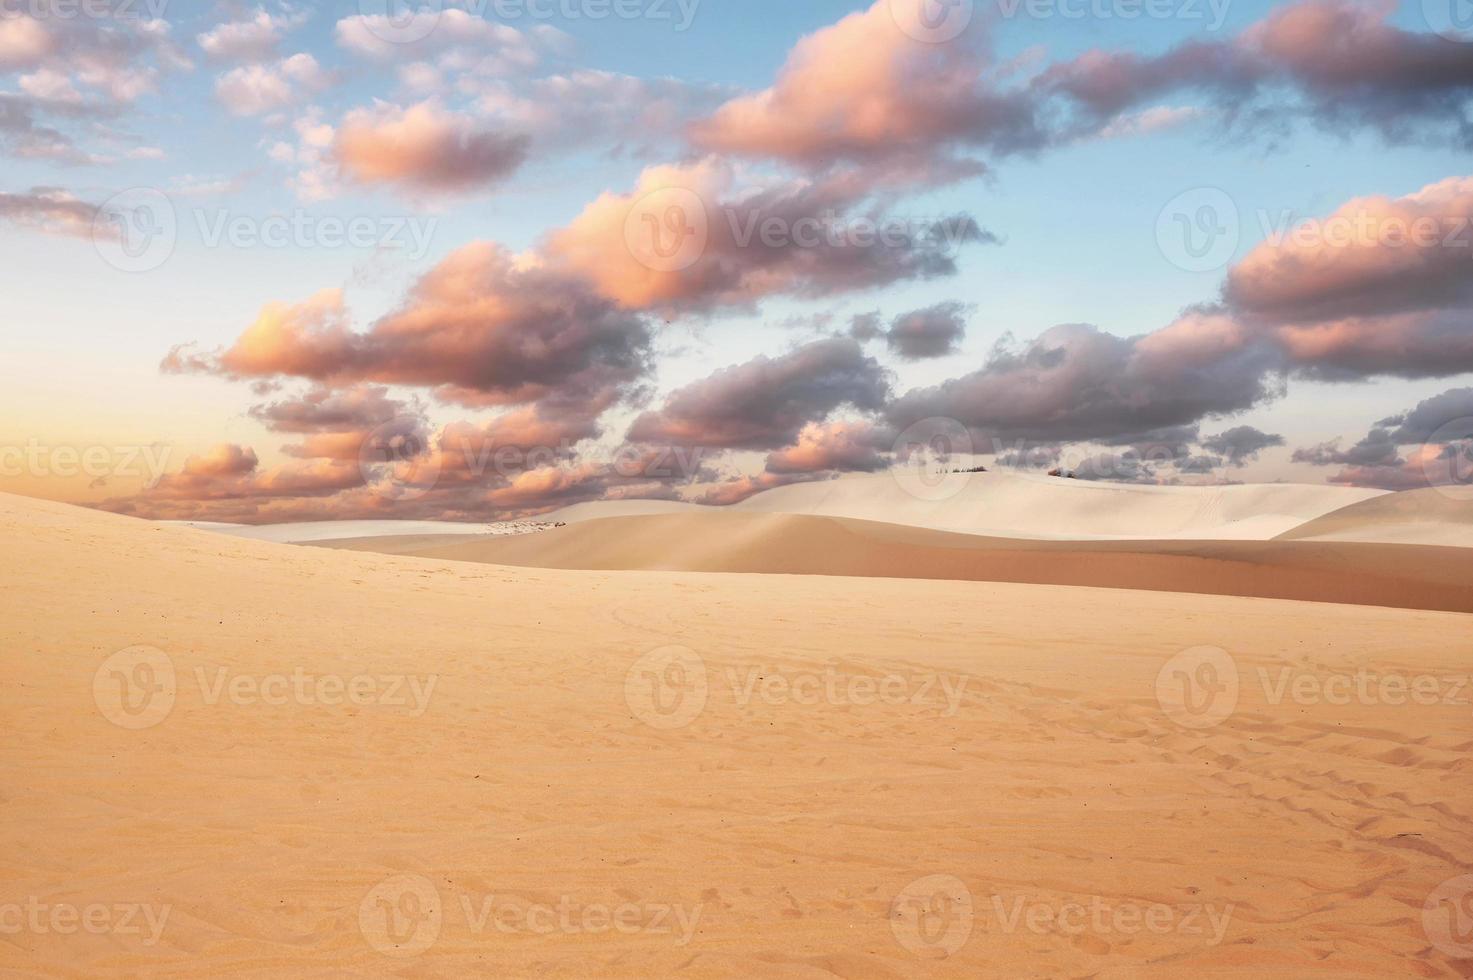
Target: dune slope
[[644, 774], [1004, 504], [1011, 504], [1372, 574], [1430, 516]]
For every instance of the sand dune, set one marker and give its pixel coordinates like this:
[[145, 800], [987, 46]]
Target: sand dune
[[720, 762], [1372, 574], [1432, 516], [1012, 504], [1004, 504]]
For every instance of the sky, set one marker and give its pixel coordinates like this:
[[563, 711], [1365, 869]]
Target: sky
[[481, 259]]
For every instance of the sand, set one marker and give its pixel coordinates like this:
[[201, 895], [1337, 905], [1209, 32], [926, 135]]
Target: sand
[[1020, 505], [638, 774], [1407, 576], [1436, 516], [307, 532], [1004, 504]]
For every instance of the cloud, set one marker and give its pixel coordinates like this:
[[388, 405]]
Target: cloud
[[1380, 286], [1341, 62], [935, 331], [1430, 445], [253, 38], [623, 114], [1076, 383], [864, 91], [462, 40], [736, 490], [850, 447], [731, 247], [326, 410], [478, 328], [254, 90], [1241, 444], [766, 402], [425, 148], [80, 69], [50, 210]]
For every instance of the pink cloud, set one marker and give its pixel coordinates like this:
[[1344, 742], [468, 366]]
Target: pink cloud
[[425, 147]]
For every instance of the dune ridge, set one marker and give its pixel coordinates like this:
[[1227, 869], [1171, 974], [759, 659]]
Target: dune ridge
[[999, 504], [1433, 516], [1406, 576]]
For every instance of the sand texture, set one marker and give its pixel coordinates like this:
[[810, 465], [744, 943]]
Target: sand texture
[[752, 775]]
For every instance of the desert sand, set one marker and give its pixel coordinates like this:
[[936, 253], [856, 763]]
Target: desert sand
[[563, 773], [1006, 504], [1409, 576], [1436, 515], [1014, 504]]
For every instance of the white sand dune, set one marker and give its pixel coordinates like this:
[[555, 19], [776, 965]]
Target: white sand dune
[[1431, 516], [1408, 576], [308, 532], [1011, 504], [774, 776], [1003, 504]]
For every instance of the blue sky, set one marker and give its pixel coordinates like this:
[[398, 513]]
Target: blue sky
[[1075, 221]]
